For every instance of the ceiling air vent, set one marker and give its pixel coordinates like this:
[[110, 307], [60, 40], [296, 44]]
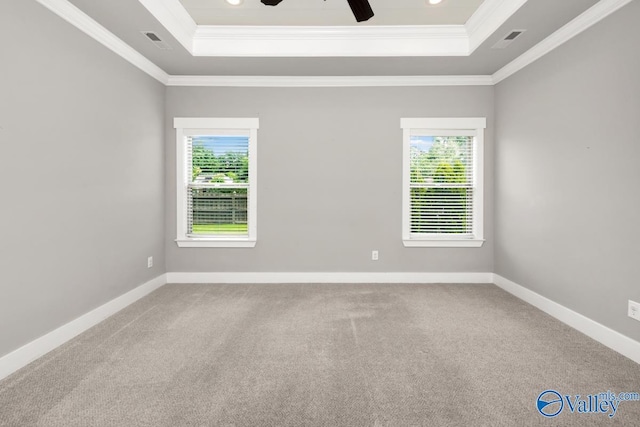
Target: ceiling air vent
[[156, 40], [508, 39]]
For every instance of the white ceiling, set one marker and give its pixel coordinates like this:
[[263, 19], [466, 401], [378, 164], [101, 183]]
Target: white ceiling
[[330, 12]]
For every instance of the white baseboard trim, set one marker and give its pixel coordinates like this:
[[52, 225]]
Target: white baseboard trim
[[604, 335], [26, 354], [286, 277]]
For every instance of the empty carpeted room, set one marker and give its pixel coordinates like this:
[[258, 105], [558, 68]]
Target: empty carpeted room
[[320, 213]]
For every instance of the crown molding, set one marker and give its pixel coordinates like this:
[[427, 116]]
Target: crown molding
[[86, 24], [332, 41], [488, 18], [328, 81], [277, 33], [328, 41], [591, 16]]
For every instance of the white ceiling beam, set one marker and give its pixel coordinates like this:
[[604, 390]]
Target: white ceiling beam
[[486, 20], [175, 18]]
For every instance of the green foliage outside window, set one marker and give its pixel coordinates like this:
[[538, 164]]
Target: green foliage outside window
[[222, 209], [441, 193], [233, 165]]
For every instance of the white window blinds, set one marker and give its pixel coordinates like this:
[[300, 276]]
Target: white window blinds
[[216, 177], [218, 184], [441, 183]]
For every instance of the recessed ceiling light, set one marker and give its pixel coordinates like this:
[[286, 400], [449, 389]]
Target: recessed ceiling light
[[430, 1], [234, 2]]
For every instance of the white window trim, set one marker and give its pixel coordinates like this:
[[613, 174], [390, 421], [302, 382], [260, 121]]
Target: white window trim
[[441, 126], [185, 126]]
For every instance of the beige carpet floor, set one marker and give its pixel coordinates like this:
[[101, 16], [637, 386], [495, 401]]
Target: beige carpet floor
[[320, 355]]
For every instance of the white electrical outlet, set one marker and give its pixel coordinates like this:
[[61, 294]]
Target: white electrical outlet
[[374, 255], [634, 310], [150, 262]]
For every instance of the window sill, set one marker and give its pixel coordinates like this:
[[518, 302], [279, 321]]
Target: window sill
[[215, 243], [444, 243]]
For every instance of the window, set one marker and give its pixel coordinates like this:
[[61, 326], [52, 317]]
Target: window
[[442, 194], [216, 182]]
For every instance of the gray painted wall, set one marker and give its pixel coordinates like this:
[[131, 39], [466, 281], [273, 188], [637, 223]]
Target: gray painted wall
[[329, 178], [81, 174], [567, 175]]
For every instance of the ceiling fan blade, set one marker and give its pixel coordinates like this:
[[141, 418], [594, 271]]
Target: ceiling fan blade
[[361, 9]]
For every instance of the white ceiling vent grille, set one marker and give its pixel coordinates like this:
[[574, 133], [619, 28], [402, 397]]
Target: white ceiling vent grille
[[508, 39], [156, 40]]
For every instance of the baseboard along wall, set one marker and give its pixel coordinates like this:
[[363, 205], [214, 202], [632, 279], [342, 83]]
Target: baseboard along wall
[[614, 340], [303, 277], [37, 348], [26, 354]]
